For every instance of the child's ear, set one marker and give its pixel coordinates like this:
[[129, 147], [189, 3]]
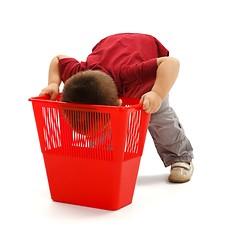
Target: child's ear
[[119, 102]]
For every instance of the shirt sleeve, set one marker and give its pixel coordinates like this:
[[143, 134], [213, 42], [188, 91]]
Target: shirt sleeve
[[68, 67], [144, 71]]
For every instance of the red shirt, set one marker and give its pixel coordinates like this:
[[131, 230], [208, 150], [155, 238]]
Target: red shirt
[[129, 58]]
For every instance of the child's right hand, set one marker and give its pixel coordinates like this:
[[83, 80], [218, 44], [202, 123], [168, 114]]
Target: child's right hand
[[52, 90]]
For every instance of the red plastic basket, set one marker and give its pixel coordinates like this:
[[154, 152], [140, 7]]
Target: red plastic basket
[[91, 152]]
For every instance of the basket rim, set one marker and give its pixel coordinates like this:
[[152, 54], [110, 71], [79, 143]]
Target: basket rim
[[46, 99]]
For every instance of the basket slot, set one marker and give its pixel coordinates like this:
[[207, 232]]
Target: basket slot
[[133, 132], [51, 128]]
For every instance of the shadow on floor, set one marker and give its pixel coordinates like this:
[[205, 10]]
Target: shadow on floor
[[152, 179]]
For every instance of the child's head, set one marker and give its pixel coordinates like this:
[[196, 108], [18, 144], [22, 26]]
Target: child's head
[[89, 87]]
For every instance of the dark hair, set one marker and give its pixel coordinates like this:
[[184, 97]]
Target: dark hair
[[90, 87]]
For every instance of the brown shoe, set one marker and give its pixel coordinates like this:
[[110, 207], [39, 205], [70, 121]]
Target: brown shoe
[[181, 172]]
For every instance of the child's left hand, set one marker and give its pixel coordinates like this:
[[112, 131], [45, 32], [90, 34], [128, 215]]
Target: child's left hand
[[151, 102]]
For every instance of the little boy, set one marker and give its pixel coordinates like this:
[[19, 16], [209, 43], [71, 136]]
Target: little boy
[[129, 65]]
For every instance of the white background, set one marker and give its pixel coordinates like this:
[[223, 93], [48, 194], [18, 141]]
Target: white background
[[197, 33]]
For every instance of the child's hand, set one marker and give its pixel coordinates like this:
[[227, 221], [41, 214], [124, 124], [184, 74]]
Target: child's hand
[[52, 89], [151, 102]]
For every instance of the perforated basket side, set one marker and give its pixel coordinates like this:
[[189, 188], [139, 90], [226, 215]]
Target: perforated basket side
[[95, 132]]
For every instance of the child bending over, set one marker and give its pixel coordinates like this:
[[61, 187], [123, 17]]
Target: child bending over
[[129, 65]]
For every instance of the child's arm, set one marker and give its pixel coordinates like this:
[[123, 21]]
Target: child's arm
[[167, 72], [54, 79], [166, 75]]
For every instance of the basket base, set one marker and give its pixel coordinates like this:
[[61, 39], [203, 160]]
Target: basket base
[[93, 183]]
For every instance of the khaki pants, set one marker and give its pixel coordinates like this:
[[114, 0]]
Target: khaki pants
[[169, 136]]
